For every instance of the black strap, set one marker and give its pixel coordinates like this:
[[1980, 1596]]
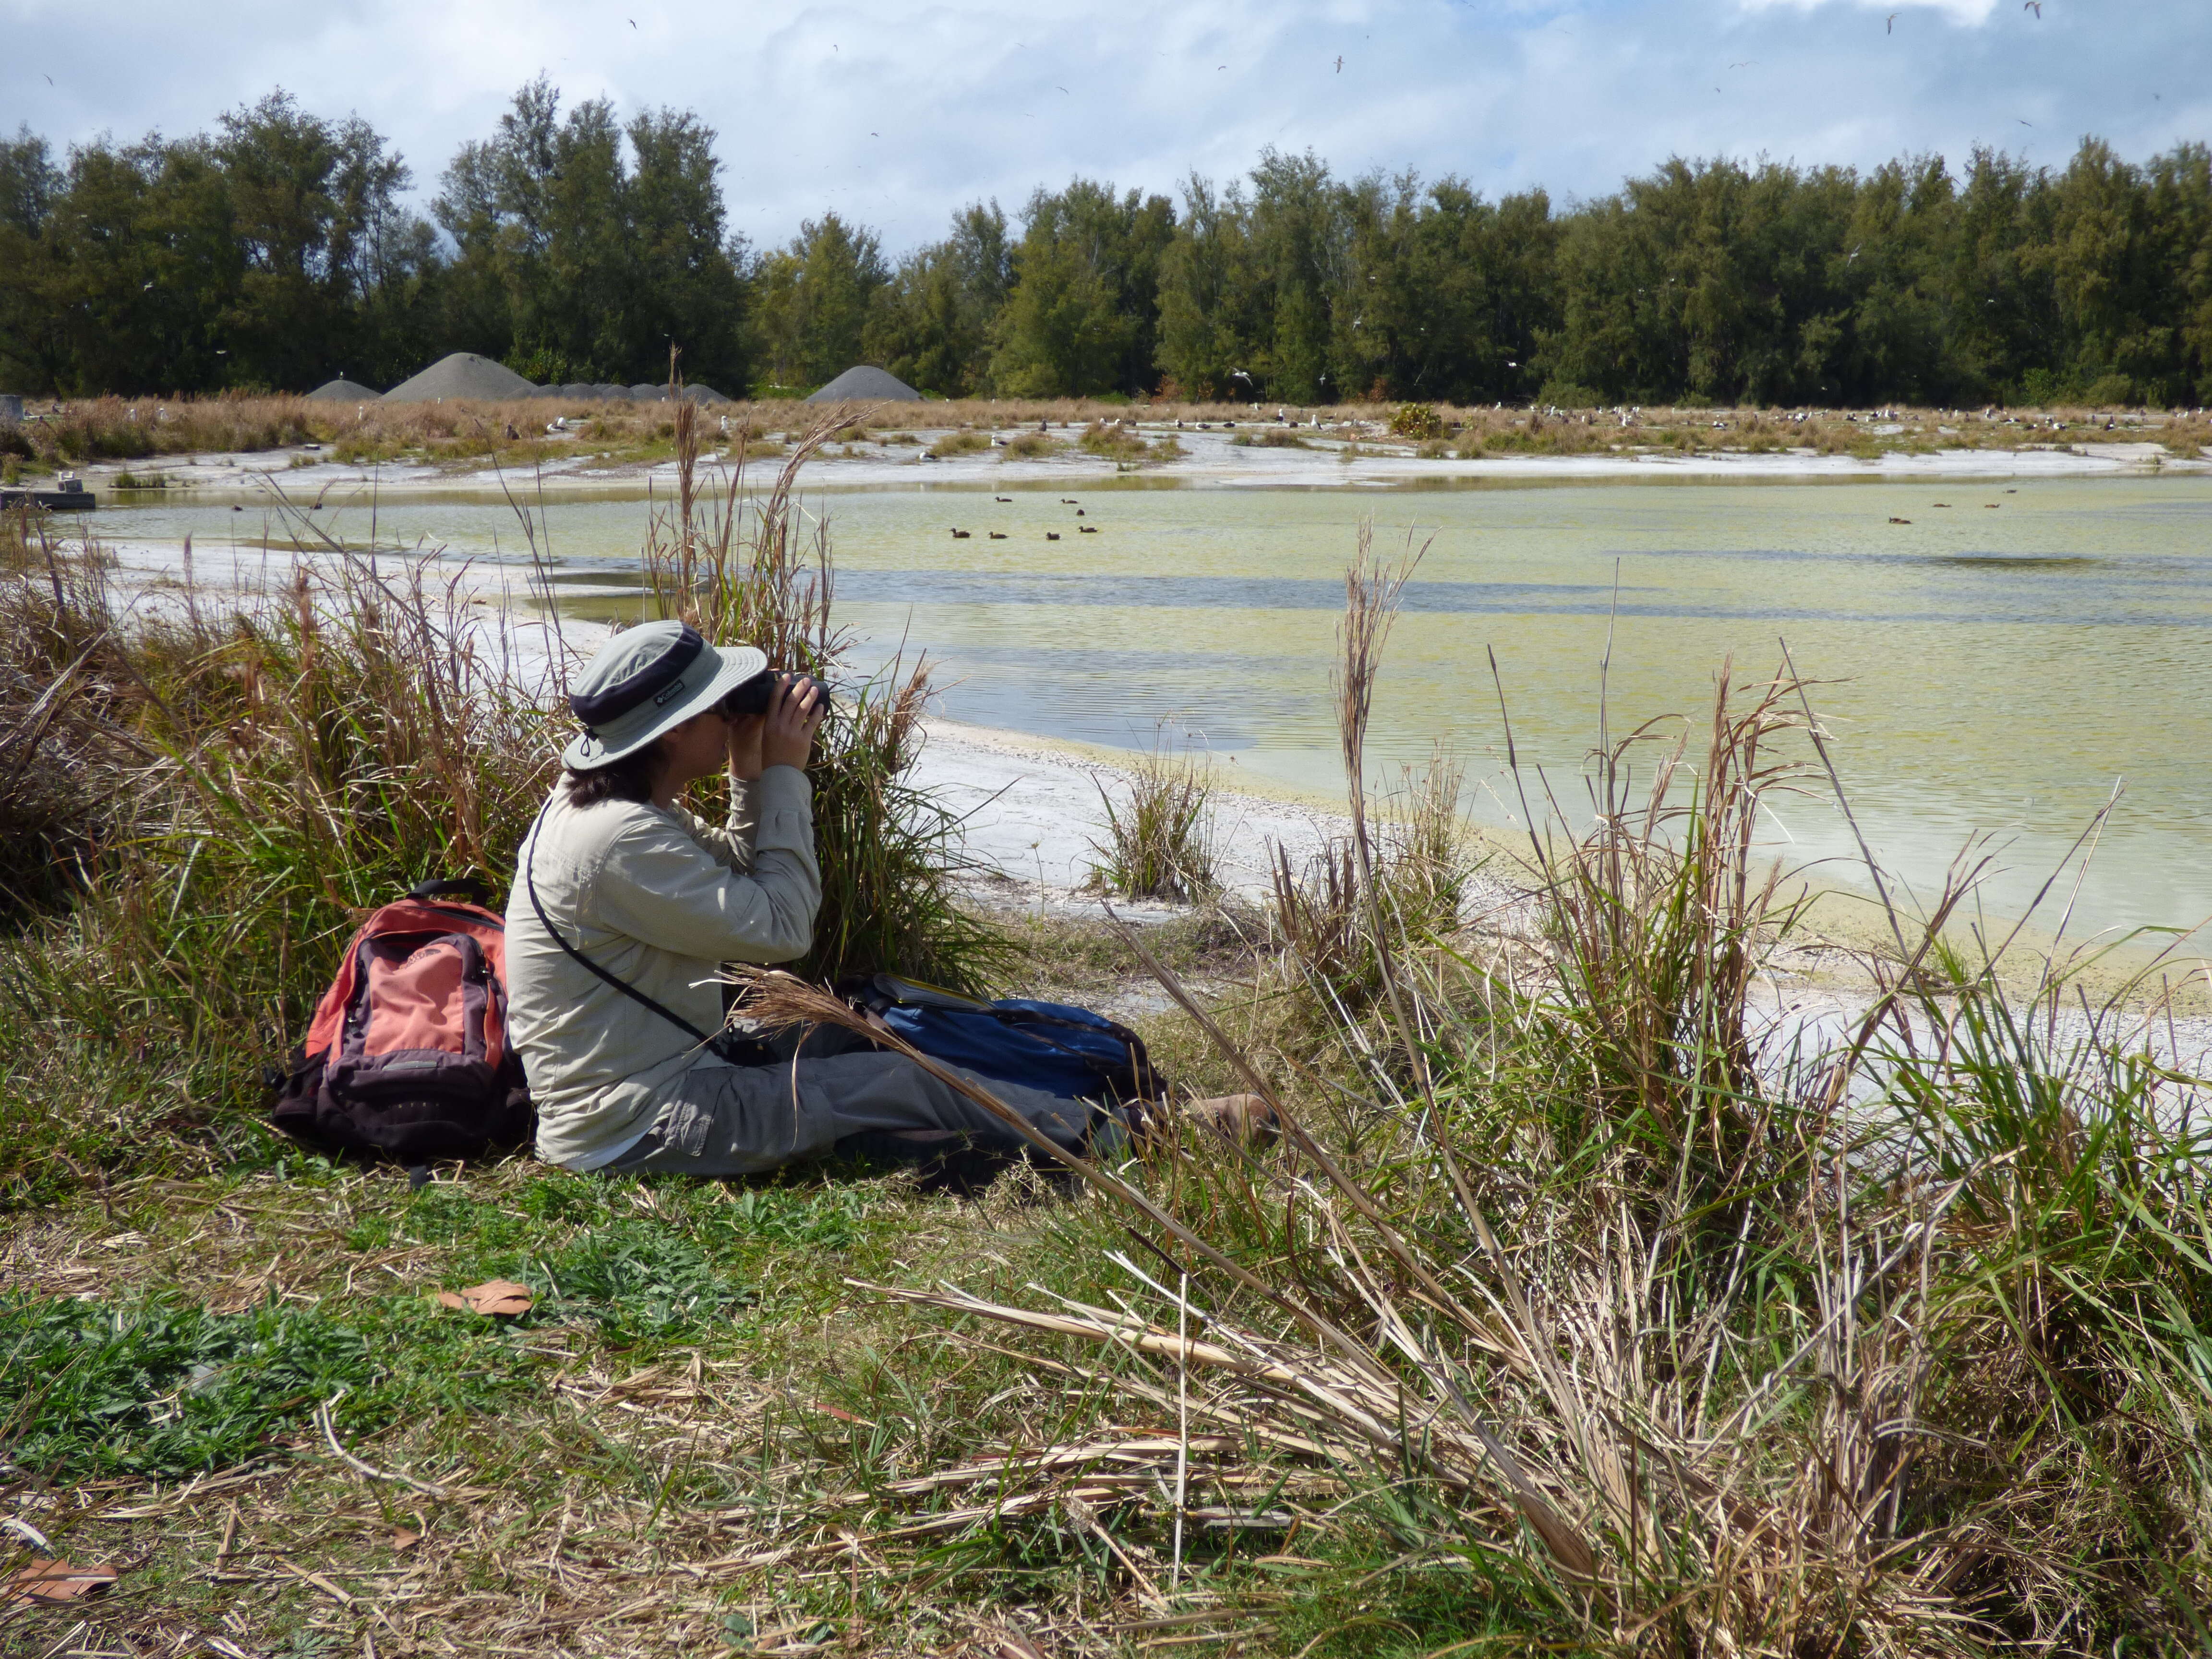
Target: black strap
[[742, 1051], [461, 887]]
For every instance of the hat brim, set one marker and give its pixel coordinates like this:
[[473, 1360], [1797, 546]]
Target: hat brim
[[736, 664]]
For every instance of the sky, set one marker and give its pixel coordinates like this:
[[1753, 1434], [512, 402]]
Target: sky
[[897, 113]]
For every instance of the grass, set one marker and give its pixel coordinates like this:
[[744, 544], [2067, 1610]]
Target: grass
[[1127, 444], [1566, 1318], [1160, 837]]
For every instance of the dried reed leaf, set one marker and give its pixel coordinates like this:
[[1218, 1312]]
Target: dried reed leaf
[[44, 1583], [501, 1297]]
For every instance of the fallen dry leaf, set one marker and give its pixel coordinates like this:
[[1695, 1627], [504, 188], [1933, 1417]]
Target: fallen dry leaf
[[46, 1582], [494, 1296], [404, 1539]]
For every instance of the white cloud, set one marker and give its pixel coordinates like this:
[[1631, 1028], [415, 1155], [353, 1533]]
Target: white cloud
[[897, 112], [1956, 11]]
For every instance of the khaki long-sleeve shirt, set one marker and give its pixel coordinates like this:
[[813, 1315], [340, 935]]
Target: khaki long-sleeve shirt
[[660, 900]]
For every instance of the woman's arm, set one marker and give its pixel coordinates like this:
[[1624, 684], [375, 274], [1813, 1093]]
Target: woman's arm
[[664, 887]]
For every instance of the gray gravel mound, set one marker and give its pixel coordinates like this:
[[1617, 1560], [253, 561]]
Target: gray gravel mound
[[344, 392], [866, 383], [645, 392], [704, 395], [463, 377]]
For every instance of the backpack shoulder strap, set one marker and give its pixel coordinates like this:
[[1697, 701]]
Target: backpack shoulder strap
[[530, 881]]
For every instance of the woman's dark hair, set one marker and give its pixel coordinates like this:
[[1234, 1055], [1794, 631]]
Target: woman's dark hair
[[630, 778]]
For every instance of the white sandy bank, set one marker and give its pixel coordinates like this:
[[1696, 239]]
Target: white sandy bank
[[1211, 459]]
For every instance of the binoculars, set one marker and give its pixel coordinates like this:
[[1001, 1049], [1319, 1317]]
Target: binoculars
[[752, 697]]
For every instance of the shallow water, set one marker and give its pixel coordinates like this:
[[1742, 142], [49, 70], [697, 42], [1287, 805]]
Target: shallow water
[[1996, 665]]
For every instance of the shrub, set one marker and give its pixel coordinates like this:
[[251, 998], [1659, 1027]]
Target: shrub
[[1416, 421], [1125, 445]]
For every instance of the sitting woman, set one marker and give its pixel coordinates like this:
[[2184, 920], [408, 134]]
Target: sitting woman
[[625, 906]]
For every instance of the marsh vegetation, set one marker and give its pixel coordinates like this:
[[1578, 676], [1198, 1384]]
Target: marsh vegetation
[[1566, 1314]]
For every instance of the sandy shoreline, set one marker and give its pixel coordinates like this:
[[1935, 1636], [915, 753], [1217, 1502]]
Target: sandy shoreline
[[1212, 460]]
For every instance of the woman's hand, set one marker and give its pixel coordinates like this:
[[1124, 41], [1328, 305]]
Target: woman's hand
[[787, 731]]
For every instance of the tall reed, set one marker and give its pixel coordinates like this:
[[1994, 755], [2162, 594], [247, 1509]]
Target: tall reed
[[759, 570]]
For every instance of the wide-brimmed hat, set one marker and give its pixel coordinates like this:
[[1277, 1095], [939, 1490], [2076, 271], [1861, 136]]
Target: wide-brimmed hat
[[645, 680]]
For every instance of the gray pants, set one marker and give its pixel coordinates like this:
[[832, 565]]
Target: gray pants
[[741, 1120]]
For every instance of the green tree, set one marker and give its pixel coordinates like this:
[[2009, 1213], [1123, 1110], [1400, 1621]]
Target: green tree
[[33, 347], [689, 287], [1210, 301], [1081, 317], [930, 323], [579, 259], [814, 298]]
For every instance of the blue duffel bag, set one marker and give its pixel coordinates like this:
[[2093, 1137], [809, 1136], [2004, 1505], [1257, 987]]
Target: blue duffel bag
[[1056, 1048]]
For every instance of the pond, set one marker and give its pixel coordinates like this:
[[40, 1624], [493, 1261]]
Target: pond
[[1996, 664]]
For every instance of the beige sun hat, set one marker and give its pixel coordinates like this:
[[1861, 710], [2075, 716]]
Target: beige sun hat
[[646, 680]]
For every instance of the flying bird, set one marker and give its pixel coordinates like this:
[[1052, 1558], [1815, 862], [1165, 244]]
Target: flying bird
[[632, 22], [1750, 63], [2023, 122], [2035, 6], [1890, 27], [1340, 63], [1069, 94]]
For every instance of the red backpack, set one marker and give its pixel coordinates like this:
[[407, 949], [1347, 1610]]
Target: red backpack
[[407, 1056]]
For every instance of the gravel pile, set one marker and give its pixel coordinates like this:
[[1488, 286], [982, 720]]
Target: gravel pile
[[344, 391], [866, 383], [463, 377]]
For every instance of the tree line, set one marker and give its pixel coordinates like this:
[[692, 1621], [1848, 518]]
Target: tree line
[[280, 250]]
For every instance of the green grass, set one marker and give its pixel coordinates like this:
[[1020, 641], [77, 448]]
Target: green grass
[[1159, 834]]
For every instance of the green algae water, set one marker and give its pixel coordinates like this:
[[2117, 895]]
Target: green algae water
[[1995, 667]]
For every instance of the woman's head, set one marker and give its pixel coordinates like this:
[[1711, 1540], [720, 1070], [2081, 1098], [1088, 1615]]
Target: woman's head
[[645, 683], [691, 749]]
